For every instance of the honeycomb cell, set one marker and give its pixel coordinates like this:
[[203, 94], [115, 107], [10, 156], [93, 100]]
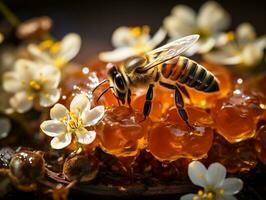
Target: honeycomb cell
[[208, 100], [256, 85], [196, 115], [237, 157], [171, 141], [122, 133], [236, 117]]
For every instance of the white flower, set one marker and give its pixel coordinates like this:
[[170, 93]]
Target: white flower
[[64, 123], [216, 186], [210, 21], [30, 81], [245, 50], [56, 53], [130, 41]]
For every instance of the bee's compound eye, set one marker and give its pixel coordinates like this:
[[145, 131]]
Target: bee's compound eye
[[134, 62], [119, 82]]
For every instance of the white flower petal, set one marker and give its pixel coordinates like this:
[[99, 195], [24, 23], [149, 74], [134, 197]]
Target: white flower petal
[[26, 69], [80, 103], [49, 76], [261, 42], [251, 55], [93, 116], [70, 46], [61, 141], [122, 37], [182, 22], [5, 127], [222, 57], [20, 102], [157, 38], [53, 128], [189, 197], [185, 14], [11, 82], [85, 137], [196, 173], [212, 17], [49, 97], [216, 174], [58, 112], [117, 55], [232, 186], [38, 54], [245, 32], [206, 45]]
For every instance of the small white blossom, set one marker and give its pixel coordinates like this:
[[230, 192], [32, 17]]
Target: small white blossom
[[130, 41], [212, 180], [30, 81], [210, 21], [65, 123], [56, 53], [245, 50]]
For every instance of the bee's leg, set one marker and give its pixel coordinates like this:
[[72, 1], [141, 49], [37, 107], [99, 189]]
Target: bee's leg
[[179, 102], [129, 98], [183, 90], [148, 102]]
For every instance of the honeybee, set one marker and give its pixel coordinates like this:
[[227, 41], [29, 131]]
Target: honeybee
[[165, 66]]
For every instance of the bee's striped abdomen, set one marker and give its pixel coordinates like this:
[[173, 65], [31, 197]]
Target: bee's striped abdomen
[[191, 74]]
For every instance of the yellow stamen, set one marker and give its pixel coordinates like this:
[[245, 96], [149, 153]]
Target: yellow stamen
[[55, 48], [210, 195], [35, 85], [59, 62], [136, 31], [230, 36], [195, 198], [200, 193], [74, 122], [46, 44], [30, 98]]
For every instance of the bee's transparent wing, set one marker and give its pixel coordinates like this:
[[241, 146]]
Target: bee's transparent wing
[[169, 51]]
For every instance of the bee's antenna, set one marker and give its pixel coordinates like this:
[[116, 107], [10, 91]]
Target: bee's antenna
[[104, 93], [102, 82]]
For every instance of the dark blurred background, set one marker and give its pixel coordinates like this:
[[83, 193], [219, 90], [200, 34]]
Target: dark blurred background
[[96, 20]]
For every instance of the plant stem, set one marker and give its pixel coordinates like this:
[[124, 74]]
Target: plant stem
[[10, 17]]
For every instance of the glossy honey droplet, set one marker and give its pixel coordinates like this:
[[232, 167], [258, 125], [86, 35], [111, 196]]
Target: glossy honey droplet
[[173, 139], [122, 133], [236, 117]]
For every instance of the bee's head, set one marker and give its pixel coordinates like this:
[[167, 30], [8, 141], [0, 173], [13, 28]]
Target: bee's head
[[118, 83], [132, 63]]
